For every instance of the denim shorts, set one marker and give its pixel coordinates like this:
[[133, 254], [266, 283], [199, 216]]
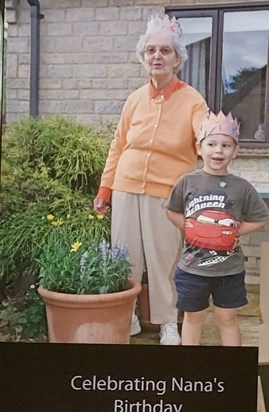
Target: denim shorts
[[194, 291]]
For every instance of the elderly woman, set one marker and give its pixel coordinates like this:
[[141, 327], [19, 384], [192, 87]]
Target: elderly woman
[[154, 144]]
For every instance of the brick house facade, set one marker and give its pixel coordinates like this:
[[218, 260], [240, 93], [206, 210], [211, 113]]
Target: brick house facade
[[88, 68]]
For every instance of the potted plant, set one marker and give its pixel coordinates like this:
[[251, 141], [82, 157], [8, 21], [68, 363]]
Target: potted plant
[[86, 288]]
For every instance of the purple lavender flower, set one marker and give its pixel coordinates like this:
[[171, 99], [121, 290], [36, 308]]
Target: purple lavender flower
[[104, 250], [83, 261], [119, 252]]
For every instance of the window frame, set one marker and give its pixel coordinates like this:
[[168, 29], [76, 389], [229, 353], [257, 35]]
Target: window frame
[[216, 12]]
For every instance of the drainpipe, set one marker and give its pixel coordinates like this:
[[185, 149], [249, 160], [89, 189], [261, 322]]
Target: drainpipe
[[35, 51], [2, 59]]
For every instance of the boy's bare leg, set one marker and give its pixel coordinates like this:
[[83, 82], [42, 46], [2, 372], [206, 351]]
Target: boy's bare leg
[[228, 324], [192, 327]]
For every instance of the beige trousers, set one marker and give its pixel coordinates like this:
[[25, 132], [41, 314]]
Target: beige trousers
[[154, 243]]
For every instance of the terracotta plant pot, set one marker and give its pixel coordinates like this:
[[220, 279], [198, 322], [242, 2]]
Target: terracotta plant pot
[[90, 318], [143, 311]]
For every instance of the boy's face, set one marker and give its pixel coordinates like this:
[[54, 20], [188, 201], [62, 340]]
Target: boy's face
[[217, 152]]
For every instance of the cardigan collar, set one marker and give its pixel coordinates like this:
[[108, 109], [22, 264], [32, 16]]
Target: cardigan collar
[[166, 92]]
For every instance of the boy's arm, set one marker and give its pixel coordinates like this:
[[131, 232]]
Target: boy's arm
[[248, 227], [178, 219]]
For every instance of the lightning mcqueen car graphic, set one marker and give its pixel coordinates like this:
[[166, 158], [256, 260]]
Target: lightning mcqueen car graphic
[[213, 230]]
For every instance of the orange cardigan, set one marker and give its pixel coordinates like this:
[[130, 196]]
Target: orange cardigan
[[154, 143]]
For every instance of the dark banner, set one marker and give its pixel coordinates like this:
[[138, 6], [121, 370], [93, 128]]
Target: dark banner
[[127, 378]]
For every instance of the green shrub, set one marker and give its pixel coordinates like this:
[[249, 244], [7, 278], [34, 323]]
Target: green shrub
[[50, 166], [66, 151], [26, 322]]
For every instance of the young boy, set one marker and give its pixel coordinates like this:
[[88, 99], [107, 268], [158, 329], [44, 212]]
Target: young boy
[[214, 208]]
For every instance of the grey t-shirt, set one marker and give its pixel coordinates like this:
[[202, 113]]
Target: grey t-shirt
[[213, 207]]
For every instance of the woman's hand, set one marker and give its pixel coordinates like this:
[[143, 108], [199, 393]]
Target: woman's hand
[[100, 203], [100, 206]]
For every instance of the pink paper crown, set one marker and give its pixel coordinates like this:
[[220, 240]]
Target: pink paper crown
[[219, 124], [162, 24]]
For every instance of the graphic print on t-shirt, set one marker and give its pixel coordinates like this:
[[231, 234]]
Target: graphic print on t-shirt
[[210, 228]]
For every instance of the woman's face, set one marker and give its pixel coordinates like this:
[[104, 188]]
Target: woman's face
[[160, 58]]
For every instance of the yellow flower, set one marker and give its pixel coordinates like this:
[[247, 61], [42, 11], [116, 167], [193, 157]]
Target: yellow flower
[[100, 216], [50, 217], [57, 222], [75, 246], [91, 217]]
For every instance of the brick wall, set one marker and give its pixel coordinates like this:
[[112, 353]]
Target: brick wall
[[88, 67], [87, 55], [251, 245]]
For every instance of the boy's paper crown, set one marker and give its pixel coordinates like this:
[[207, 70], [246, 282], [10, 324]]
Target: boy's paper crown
[[219, 124], [162, 24]]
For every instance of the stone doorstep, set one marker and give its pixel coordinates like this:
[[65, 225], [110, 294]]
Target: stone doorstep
[[264, 282], [260, 401], [264, 344], [264, 303]]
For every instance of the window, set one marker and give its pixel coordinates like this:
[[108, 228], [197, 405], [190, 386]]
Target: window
[[228, 48], [197, 39]]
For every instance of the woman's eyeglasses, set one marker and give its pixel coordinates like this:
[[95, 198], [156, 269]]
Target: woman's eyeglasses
[[164, 51]]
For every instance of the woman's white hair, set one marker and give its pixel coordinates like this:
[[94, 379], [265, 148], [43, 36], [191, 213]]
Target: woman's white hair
[[163, 25]]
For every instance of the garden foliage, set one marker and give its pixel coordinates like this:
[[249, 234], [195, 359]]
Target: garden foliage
[[83, 266], [49, 166]]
